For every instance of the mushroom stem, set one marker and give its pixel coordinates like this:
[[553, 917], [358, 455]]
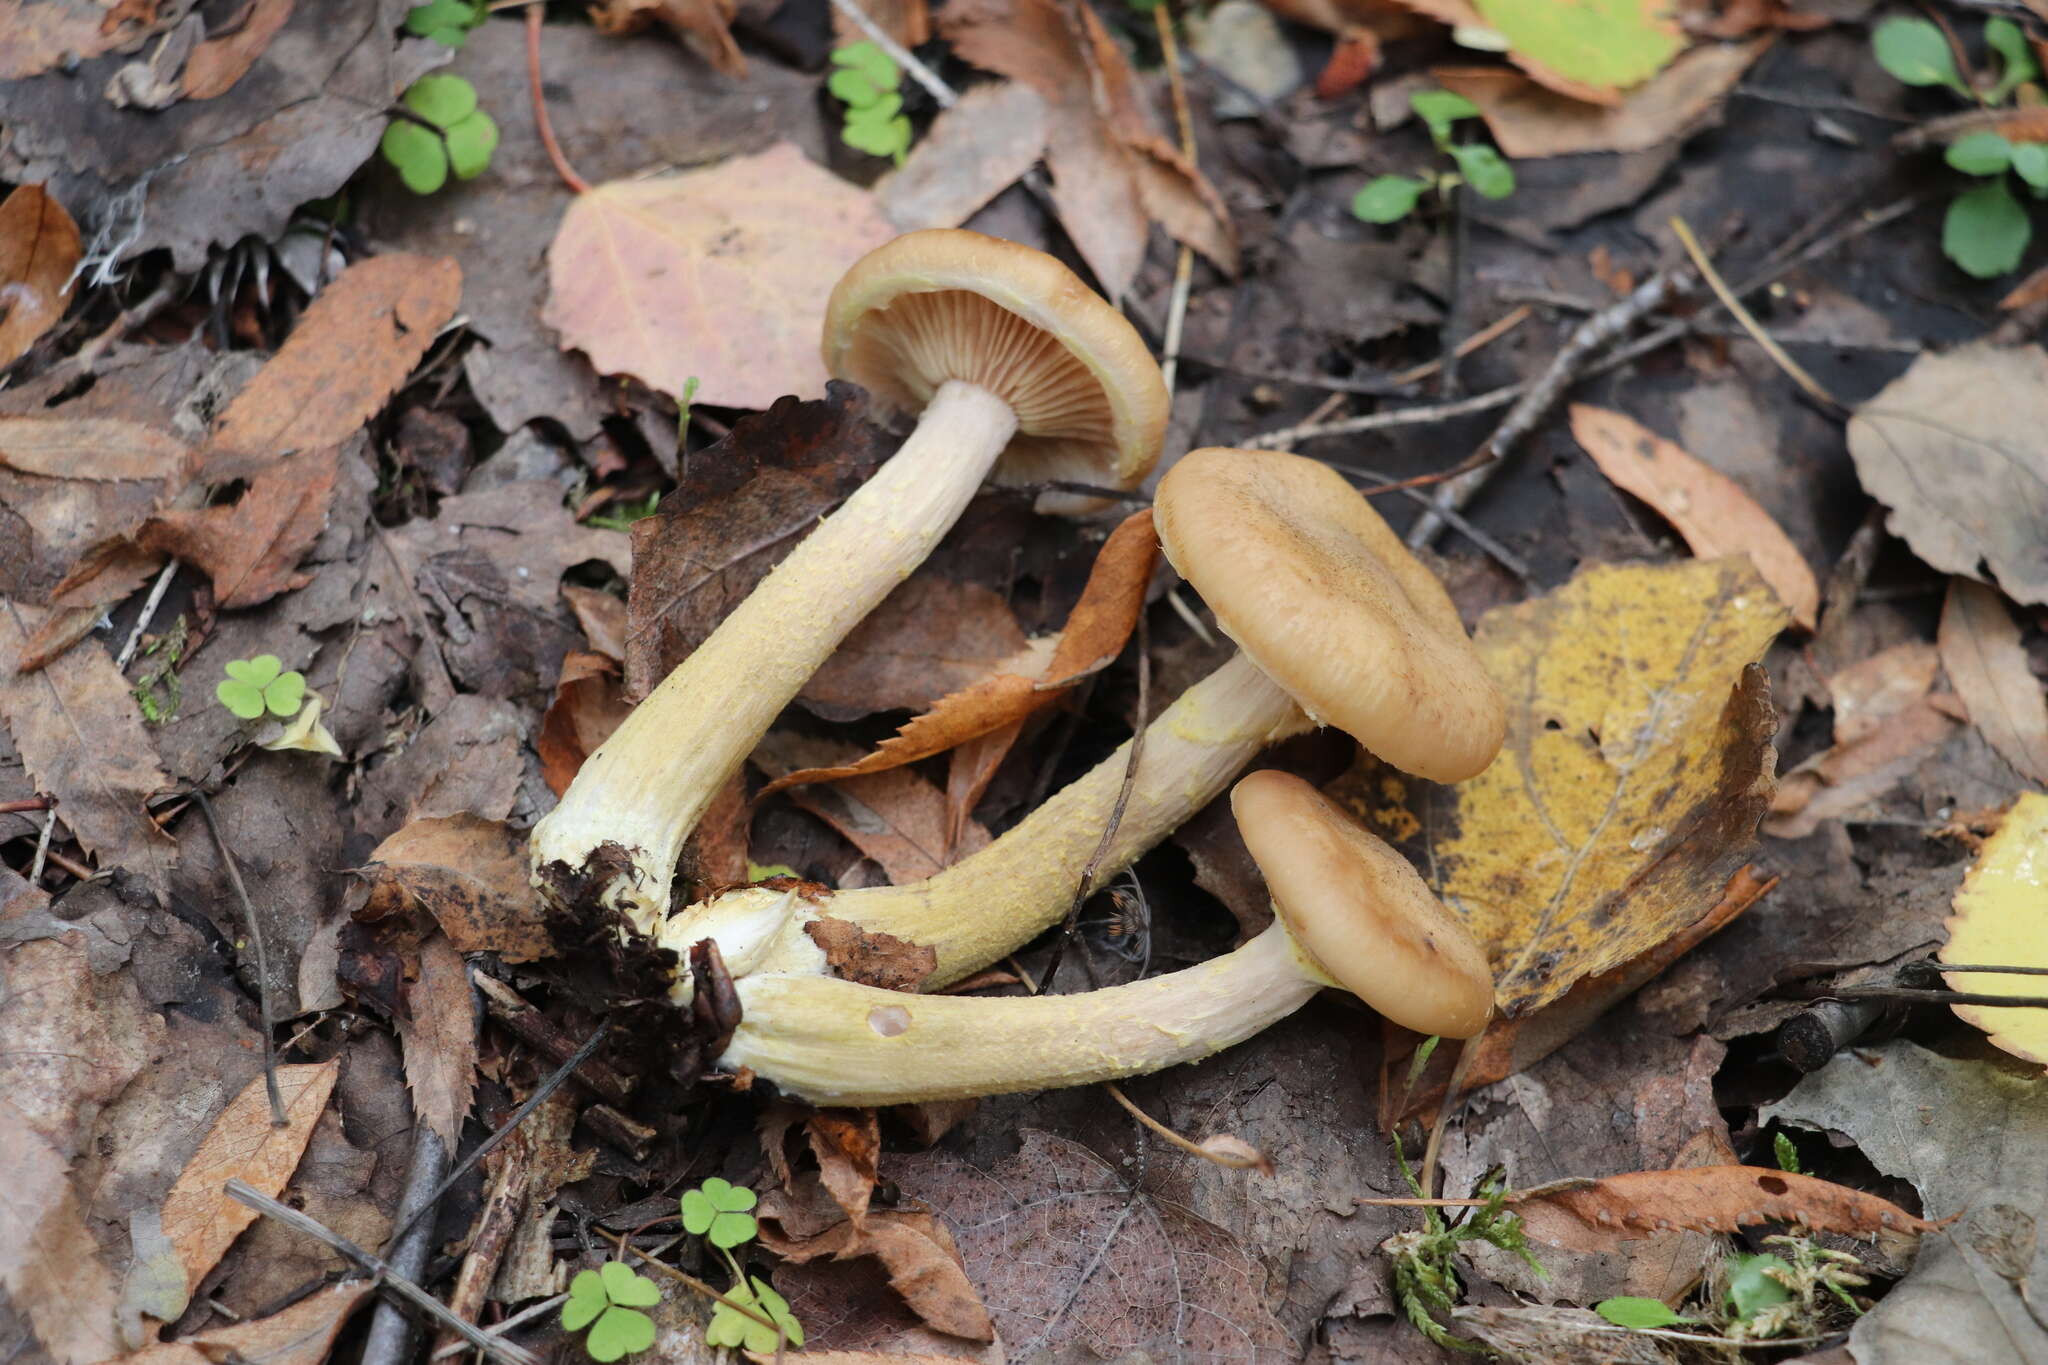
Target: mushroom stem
[[837, 1043], [1000, 898], [645, 788]]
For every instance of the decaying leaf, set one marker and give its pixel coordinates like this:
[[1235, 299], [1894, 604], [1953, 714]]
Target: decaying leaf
[[971, 153], [933, 636], [1707, 1199], [1886, 724], [1529, 120], [848, 1145], [1987, 666], [89, 448], [1998, 920], [251, 547], [720, 274], [1953, 448], [745, 504], [39, 246], [895, 817], [1708, 508], [351, 350], [589, 703], [915, 1248], [705, 26], [198, 1217], [1638, 761], [299, 1335], [1094, 635], [438, 1031], [82, 739], [471, 876], [217, 63], [42, 34]]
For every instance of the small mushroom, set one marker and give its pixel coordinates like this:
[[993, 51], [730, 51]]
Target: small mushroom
[[1333, 615], [1007, 356], [1349, 912]]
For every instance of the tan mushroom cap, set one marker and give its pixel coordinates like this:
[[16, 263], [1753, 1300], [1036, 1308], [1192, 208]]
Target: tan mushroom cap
[[1360, 911], [1308, 580], [950, 304]]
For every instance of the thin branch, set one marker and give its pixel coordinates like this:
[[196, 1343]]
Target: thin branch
[[744, 1310], [156, 599], [35, 868], [384, 1276], [1742, 315], [945, 94], [227, 859], [1184, 265], [1236, 1161], [390, 1338], [534, 15]]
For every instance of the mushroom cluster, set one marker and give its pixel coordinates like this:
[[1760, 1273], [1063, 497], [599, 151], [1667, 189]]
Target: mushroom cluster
[[1019, 370]]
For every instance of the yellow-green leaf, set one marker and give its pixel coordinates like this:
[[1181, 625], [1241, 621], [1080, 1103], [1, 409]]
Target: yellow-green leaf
[[1604, 46], [1999, 921]]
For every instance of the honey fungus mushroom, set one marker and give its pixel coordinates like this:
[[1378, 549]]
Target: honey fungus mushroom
[[1008, 358]]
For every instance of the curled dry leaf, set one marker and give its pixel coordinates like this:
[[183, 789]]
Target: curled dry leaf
[[1998, 920], [354, 346], [705, 26], [217, 63], [251, 547], [914, 1248], [1638, 762], [1886, 725], [471, 875], [720, 274], [848, 1145], [1708, 508], [1953, 447], [103, 448], [896, 817], [1094, 635], [590, 701], [201, 1220], [971, 153], [1988, 667], [1621, 1208], [39, 245]]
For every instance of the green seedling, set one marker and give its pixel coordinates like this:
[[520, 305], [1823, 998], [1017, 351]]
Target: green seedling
[[1390, 198], [1986, 229], [1425, 1271], [730, 1327], [718, 1211], [1637, 1313], [1787, 1154], [624, 514], [608, 1301], [441, 131], [447, 22], [254, 686], [865, 80]]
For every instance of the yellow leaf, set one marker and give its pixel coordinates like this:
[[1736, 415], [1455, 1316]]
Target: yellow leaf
[[305, 733], [1589, 49], [1638, 762], [1999, 921]]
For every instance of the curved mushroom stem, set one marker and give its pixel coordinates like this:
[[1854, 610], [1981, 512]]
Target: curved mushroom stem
[[645, 788], [1000, 898], [837, 1043]]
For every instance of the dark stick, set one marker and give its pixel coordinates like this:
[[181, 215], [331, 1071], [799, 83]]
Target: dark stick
[[519, 1115], [387, 1277], [390, 1338], [1808, 1039], [1452, 337], [512, 1010], [227, 858]]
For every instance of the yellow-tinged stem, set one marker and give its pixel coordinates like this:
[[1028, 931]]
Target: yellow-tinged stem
[[993, 902], [833, 1042], [646, 787]]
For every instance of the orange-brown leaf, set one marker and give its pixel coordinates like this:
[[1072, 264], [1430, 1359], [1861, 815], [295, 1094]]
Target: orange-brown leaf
[[471, 875], [39, 248], [216, 64], [1981, 652], [919, 1256], [705, 26], [1708, 508], [848, 1145], [438, 1031], [251, 547], [590, 701], [1723, 1199]]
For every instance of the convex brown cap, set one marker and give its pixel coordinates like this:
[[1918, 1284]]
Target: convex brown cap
[[950, 304], [1308, 580], [1360, 911]]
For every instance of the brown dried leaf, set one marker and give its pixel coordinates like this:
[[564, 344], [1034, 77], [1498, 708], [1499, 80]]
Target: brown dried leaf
[[895, 817], [718, 274], [471, 876], [438, 1030], [590, 702], [1094, 635], [932, 636], [1886, 724], [42, 34], [1981, 652], [601, 616], [39, 244], [744, 504], [299, 1335], [89, 448], [1630, 1207], [251, 547], [923, 1264], [82, 740], [353, 347], [909, 22], [871, 957], [971, 153], [1528, 120], [848, 1145], [198, 1217], [705, 26], [1708, 508], [216, 64]]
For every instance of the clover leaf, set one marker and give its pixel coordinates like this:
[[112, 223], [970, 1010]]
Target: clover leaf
[[730, 1327], [717, 1211], [870, 61], [447, 22], [256, 685], [607, 1301], [447, 133]]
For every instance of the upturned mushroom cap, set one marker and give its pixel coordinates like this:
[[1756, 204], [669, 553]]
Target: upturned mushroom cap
[[1360, 912], [1308, 580], [946, 304]]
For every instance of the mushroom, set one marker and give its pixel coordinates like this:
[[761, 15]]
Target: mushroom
[[1006, 355], [1333, 616], [1349, 912]]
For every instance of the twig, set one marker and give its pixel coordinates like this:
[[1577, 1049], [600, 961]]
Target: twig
[[26, 804], [1461, 236], [390, 1338], [35, 867], [155, 600], [512, 1010], [1235, 1161], [945, 94], [1286, 438], [532, 1310], [534, 15], [1808, 1039], [519, 1116], [87, 359], [227, 859], [1454, 1094], [1791, 367], [1116, 813], [1184, 265], [1187, 614], [1402, 383], [386, 1277]]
